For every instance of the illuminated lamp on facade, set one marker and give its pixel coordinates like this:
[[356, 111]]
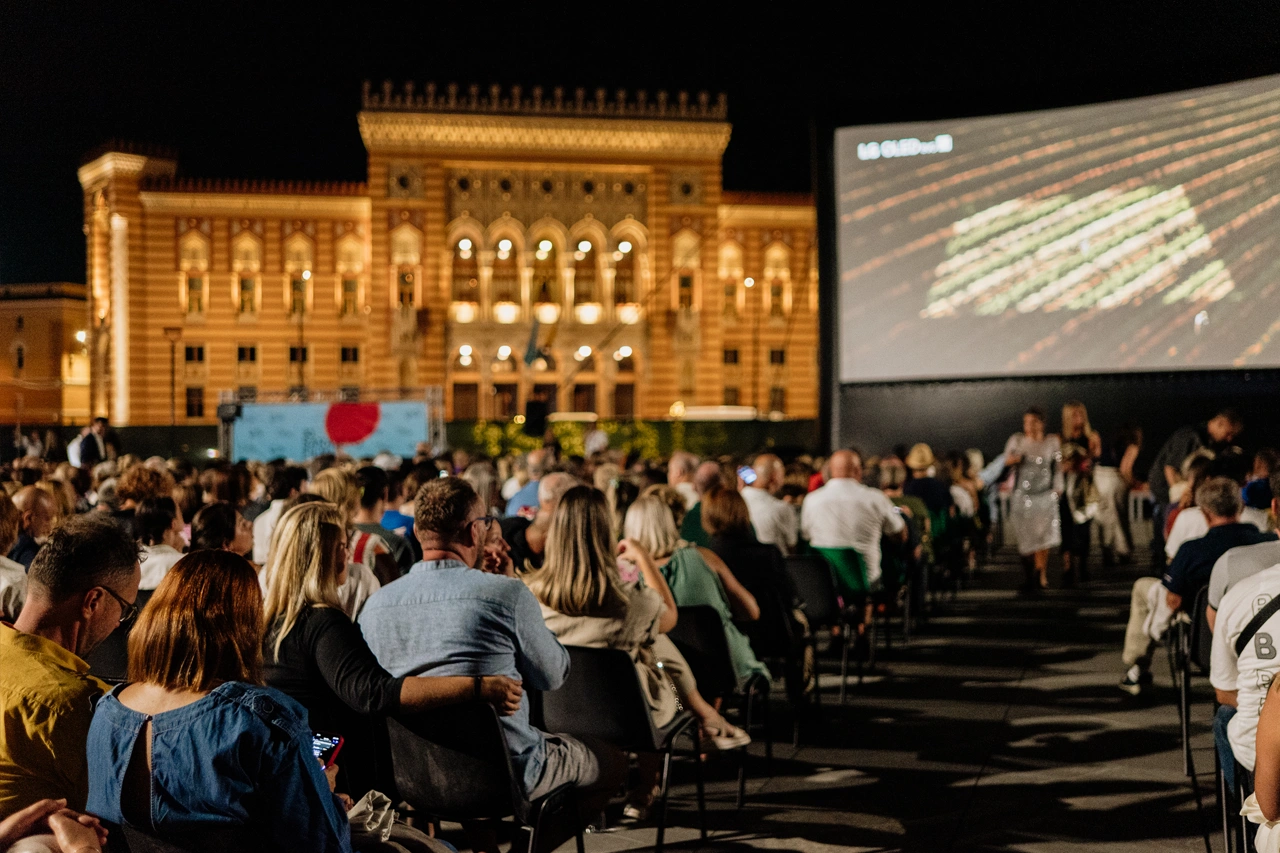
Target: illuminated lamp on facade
[[464, 312], [506, 312], [546, 312], [588, 313], [629, 313]]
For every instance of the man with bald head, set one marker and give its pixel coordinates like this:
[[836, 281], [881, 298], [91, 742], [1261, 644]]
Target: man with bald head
[[527, 538], [845, 515], [36, 508], [774, 520], [680, 471]]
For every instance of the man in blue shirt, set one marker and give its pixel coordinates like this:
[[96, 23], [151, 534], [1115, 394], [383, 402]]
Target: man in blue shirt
[[525, 502], [461, 611], [1154, 603]]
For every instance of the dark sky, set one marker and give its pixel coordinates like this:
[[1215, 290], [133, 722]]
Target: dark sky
[[268, 90]]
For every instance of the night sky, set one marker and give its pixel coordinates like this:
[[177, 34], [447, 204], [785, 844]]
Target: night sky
[[272, 91]]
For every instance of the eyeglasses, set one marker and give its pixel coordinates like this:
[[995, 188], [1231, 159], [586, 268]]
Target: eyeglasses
[[487, 519], [128, 609]]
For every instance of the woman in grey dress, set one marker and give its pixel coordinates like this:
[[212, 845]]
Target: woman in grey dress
[[1036, 459]]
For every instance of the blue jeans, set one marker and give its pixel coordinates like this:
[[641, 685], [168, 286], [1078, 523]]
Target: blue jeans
[[1226, 758]]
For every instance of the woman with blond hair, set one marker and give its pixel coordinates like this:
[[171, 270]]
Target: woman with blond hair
[[338, 486], [696, 576], [585, 603], [318, 656]]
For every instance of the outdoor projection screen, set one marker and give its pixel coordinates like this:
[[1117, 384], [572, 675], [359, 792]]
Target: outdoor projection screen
[[1139, 235]]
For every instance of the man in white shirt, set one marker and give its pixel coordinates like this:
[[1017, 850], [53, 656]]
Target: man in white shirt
[[846, 514], [285, 483], [1240, 563], [680, 472], [1241, 682], [774, 520]]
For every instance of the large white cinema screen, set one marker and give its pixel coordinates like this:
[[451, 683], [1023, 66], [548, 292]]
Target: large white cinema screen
[[1126, 236]]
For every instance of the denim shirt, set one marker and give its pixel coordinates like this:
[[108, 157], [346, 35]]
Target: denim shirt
[[240, 755], [444, 618]]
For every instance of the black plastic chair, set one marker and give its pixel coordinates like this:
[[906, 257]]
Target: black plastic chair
[[603, 698], [699, 635], [109, 660], [207, 839], [452, 763], [811, 575]]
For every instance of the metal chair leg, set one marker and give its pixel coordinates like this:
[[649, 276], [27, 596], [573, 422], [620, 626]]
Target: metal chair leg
[[844, 663], [662, 796], [702, 797]]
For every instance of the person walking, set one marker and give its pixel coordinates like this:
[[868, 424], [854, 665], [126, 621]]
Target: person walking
[[1037, 462]]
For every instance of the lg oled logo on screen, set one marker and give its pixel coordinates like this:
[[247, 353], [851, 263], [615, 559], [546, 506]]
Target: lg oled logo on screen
[[909, 147]]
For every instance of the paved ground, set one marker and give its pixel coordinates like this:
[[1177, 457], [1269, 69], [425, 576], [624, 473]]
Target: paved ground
[[999, 727]]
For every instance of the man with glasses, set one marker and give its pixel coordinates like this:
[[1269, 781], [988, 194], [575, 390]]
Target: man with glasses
[[82, 586]]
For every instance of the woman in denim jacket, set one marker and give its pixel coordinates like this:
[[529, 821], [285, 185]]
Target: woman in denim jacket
[[193, 749]]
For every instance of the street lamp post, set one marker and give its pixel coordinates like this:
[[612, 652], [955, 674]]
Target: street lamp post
[[173, 334]]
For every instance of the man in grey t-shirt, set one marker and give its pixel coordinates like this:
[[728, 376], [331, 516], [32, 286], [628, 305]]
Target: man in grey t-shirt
[[1245, 561]]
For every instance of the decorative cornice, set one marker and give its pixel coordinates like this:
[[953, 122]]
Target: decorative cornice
[[168, 183], [469, 135], [117, 164], [743, 213], [428, 100], [250, 205], [42, 290]]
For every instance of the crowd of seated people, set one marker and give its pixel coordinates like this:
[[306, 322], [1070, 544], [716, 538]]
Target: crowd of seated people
[[290, 598]]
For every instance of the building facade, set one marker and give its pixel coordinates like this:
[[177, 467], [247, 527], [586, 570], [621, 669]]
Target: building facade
[[45, 375], [507, 247]]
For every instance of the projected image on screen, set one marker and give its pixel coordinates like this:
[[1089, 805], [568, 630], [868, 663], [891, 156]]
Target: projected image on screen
[[1127, 236]]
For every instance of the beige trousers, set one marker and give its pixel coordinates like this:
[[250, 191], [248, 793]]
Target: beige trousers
[[1149, 619]]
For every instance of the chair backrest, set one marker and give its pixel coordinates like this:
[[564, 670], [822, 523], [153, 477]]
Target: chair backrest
[[601, 698], [453, 763], [848, 568], [699, 635], [109, 660], [812, 578], [1201, 635], [772, 635]]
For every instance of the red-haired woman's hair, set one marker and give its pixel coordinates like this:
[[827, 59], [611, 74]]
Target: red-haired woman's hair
[[203, 625]]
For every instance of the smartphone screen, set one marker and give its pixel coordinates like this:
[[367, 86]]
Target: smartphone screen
[[747, 475], [326, 746]]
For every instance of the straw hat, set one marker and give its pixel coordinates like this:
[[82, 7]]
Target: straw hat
[[920, 458]]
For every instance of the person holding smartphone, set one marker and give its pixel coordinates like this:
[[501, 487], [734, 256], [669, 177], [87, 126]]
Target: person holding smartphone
[[317, 655]]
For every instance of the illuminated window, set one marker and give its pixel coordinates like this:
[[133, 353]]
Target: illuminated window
[[195, 294], [584, 275], [506, 273], [247, 354], [404, 290], [731, 397], [545, 273], [686, 291], [194, 354], [298, 296], [731, 356], [777, 399], [350, 297], [624, 274], [350, 355], [248, 296], [730, 276], [626, 364], [466, 272], [195, 402], [777, 356]]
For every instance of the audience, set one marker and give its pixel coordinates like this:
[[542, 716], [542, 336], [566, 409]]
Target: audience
[[157, 525], [525, 501], [774, 520], [707, 476], [35, 519], [1242, 562], [1166, 469], [338, 487], [696, 576], [527, 538], [923, 483], [680, 471], [81, 586], [372, 484], [1153, 602], [461, 612], [13, 575], [223, 751], [286, 482]]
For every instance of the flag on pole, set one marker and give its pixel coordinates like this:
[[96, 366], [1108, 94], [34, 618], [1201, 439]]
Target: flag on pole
[[532, 350]]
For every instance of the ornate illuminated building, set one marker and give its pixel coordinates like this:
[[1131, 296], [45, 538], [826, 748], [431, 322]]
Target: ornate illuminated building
[[602, 221]]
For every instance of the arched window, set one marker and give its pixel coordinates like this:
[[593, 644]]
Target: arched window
[[506, 273], [246, 263], [406, 246], [299, 260], [546, 272], [584, 273], [686, 251], [466, 272], [777, 276], [504, 361], [624, 274], [350, 264], [465, 358], [194, 263], [731, 277]]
